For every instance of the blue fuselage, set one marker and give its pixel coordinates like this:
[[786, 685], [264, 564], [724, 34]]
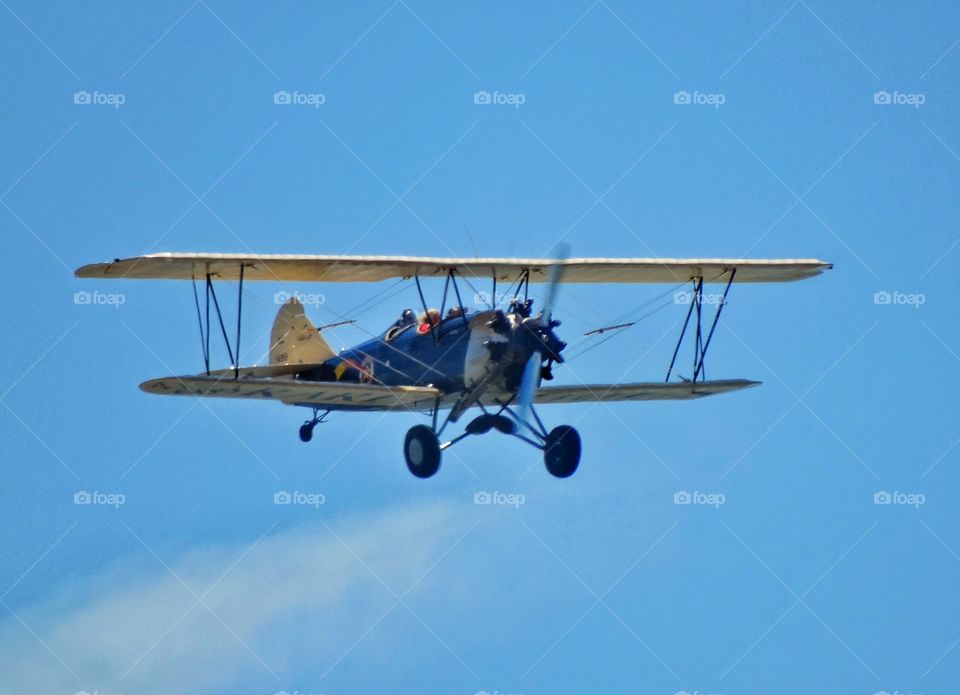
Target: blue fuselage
[[405, 356]]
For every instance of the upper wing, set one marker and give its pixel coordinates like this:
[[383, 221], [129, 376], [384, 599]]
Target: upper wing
[[184, 266], [325, 395], [654, 391]]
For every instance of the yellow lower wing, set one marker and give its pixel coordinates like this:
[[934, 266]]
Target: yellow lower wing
[[328, 396], [652, 391]]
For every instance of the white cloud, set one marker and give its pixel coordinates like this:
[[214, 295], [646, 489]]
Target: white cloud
[[286, 581]]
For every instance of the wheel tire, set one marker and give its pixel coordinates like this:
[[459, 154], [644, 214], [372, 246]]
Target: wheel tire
[[421, 449], [306, 432], [561, 452]]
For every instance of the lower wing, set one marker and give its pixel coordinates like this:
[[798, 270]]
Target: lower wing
[[373, 397], [320, 394], [651, 391]]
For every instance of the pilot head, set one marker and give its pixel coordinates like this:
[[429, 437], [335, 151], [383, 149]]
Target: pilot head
[[428, 320]]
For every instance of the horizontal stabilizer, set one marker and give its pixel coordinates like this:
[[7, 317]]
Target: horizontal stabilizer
[[266, 371]]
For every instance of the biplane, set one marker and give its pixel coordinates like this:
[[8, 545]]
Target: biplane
[[493, 358]]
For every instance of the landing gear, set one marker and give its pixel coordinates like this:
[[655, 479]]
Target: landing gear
[[561, 446], [306, 432], [421, 449], [306, 429], [561, 451]]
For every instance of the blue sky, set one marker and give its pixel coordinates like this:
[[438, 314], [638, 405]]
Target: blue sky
[[813, 131]]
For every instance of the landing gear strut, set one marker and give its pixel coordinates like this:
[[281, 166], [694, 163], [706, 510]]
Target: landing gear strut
[[306, 429]]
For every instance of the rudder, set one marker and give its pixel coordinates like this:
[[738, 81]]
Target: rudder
[[294, 339]]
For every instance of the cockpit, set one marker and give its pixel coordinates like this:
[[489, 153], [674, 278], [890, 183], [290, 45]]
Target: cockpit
[[425, 322]]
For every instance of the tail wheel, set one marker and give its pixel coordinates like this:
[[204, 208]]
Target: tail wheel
[[561, 451], [421, 449]]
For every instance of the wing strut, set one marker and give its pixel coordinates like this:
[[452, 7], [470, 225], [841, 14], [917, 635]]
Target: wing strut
[[236, 363], [700, 345], [456, 291], [203, 321], [697, 288], [716, 318]]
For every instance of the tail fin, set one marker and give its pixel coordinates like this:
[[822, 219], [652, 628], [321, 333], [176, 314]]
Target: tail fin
[[294, 339]]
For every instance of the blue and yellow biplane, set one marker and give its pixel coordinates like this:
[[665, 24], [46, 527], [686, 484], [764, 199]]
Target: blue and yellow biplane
[[434, 360]]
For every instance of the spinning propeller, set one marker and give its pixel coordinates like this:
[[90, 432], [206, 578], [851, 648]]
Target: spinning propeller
[[531, 372]]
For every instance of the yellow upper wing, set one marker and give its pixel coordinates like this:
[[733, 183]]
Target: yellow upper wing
[[184, 266]]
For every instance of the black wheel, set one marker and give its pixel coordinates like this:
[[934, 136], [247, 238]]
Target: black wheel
[[561, 452], [421, 449], [306, 432]]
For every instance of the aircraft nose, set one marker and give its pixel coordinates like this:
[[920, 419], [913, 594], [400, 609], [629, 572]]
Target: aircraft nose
[[556, 346], [542, 338]]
